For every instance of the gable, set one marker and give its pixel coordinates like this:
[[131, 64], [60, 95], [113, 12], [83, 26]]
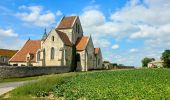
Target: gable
[[31, 46], [77, 27], [81, 43], [97, 51], [56, 34], [90, 46], [67, 22], [64, 38]]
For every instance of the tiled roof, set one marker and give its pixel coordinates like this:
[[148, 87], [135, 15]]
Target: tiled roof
[[66, 22], [31, 46], [82, 43], [8, 53], [157, 61], [96, 50], [106, 62], [63, 36]]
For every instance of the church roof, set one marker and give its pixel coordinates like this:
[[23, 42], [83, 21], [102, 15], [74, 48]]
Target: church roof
[[63, 36], [96, 50], [8, 53], [67, 22], [30, 47], [106, 62], [82, 43]]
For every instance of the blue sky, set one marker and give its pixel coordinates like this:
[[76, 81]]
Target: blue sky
[[126, 30]]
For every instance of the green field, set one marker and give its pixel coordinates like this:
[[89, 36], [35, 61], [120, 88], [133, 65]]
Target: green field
[[150, 84]]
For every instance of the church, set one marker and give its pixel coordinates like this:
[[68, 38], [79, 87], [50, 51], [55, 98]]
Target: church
[[59, 47]]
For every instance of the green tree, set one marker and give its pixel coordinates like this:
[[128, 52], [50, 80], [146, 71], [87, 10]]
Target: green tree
[[146, 60], [166, 58]]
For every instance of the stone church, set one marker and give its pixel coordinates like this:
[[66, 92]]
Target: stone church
[[56, 48]]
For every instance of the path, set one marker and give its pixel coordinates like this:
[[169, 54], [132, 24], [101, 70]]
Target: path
[[6, 87]]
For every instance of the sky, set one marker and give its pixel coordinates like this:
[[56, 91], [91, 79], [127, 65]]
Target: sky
[[125, 30]]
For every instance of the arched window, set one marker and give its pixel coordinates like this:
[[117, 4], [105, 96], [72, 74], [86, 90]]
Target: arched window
[[52, 38], [52, 53], [38, 56], [78, 28]]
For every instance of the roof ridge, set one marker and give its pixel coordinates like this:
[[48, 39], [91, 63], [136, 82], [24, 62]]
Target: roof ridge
[[28, 46], [64, 36], [18, 51], [66, 22]]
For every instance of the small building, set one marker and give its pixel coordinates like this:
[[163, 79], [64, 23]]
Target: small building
[[98, 58], [106, 64], [85, 50], [155, 64], [5, 55]]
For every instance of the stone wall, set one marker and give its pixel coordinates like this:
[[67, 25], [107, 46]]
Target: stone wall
[[17, 71]]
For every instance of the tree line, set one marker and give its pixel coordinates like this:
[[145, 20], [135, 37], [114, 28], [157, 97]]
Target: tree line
[[165, 58]]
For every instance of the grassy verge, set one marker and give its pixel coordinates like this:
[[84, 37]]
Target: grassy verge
[[125, 84], [18, 79]]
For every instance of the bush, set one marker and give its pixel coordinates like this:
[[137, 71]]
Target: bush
[[166, 58], [146, 60]]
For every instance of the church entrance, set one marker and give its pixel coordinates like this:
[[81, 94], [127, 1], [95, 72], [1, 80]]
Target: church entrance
[[78, 63]]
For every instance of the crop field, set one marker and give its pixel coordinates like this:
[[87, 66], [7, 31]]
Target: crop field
[[150, 84]]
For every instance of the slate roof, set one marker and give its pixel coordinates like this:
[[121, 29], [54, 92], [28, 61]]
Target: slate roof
[[82, 43], [31, 47], [66, 22], [8, 53]]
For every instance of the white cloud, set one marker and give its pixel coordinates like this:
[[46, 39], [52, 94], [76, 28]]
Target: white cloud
[[133, 50], [147, 22], [151, 17], [115, 46], [8, 33], [36, 16], [104, 43], [92, 18], [10, 39], [59, 13]]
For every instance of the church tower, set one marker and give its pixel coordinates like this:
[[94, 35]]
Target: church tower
[[72, 27]]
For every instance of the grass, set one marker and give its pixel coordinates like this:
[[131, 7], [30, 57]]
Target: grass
[[124, 84], [18, 79], [25, 78]]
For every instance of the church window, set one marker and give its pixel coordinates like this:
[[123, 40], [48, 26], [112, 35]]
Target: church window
[[78, 28], [52, 53], [31, 56], [3, 59], [38, 56], [52, 38]]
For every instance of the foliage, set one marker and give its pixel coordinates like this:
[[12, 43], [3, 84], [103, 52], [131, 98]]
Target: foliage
[[120, 65], [147, 84], [115, 64], [146, 60], [166, 58]]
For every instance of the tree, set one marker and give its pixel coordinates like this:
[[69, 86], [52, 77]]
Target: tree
[[146, 60], [166, 58]]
